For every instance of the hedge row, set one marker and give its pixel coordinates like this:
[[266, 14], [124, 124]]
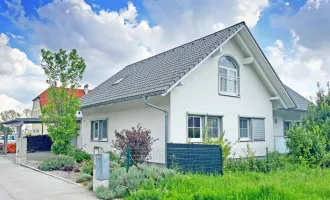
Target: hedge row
[[39, 143]]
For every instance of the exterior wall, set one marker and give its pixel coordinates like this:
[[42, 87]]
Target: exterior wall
[[199, 94], [123, 116], [37, 128]]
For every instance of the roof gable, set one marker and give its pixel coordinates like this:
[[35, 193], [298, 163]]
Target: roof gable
[[157, 74], [43, 98], [300, 101]]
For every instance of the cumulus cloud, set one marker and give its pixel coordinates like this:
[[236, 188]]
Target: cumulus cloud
[[307, 61], [297, 66], [109, 40], [8, 103]]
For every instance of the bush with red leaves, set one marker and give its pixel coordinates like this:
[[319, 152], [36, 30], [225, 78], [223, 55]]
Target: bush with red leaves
[[138, 139]]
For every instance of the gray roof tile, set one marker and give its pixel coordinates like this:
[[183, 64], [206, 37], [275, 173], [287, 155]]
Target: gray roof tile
[[155, 75], [300, 101]]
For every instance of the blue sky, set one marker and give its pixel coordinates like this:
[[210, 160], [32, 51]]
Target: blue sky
[[112, 34]]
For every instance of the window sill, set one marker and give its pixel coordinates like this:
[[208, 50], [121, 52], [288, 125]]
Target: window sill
[[228, 94], [251, 140], [99, 140]]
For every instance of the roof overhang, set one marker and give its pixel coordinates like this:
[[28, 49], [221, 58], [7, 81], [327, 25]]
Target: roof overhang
[[249, 46]]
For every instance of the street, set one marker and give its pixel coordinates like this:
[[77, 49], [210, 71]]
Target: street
[[20, 183]]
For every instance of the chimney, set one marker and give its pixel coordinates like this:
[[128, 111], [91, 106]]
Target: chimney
[[86, 89]]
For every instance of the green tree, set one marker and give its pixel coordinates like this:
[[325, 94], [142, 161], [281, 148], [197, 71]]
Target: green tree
[[9, 115], [309, 141], [64, 71]]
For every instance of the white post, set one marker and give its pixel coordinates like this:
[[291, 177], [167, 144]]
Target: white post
[[21, 148]]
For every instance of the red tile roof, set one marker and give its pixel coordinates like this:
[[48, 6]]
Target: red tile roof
[[44, 99]]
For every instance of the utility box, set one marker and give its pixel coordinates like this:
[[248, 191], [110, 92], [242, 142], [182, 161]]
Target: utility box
[[102, 167], [21, 150]]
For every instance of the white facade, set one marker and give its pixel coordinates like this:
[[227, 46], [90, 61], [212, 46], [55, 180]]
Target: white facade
[[198, 95]]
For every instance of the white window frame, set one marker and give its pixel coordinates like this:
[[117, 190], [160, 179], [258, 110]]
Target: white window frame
[[249, 137], [200, 139], [218, 122], [228, 78], [100, 134]]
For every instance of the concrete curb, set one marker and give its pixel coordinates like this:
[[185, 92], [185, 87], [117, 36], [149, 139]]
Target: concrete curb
[[52, 175]]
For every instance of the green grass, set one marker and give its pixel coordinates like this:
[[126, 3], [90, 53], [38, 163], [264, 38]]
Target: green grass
[[296, 184]]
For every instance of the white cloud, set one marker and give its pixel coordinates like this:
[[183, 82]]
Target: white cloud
[[297, 68], [314, 3], [8, 103], [287, 3], [109, 40]]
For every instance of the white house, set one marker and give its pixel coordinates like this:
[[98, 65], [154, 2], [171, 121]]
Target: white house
[[223, 80]]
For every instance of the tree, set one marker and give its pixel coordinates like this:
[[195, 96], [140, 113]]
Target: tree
[[27, 113], [9, 115], [309, 142], [64, 71]]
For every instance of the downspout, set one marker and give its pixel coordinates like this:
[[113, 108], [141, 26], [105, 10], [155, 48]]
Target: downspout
[[166, 124]]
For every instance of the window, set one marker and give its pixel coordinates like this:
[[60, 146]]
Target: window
[[99, 130], [197, 124], [213, 126], [194, 128], [251, 129], [286, 126], [228, 76]]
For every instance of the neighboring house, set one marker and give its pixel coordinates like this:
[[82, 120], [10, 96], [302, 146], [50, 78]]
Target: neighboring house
[[223, 80], [42, 100]]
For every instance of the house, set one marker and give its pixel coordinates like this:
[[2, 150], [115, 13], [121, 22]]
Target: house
[[42, 100], [223, 80]]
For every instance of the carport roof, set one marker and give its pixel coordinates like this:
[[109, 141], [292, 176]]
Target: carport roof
[[27, 121]]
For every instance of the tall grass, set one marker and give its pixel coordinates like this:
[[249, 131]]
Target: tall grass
[[303, 183]]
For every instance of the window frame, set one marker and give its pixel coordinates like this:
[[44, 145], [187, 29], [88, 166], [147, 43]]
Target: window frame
[[228, 79], [250, 133], [201, 129], [219, 126], [203, 123], [100, 137], [249, 137]]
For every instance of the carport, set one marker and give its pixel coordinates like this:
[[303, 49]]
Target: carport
[[17, 124]]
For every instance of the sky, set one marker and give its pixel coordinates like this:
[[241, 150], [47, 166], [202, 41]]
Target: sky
[[110, 34]]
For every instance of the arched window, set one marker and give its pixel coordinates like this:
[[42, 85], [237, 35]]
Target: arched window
[[228, 76]]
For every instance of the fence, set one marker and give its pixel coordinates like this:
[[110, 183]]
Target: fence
[[185, 157]]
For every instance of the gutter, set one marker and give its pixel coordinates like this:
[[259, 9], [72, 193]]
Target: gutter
[[166, 123]]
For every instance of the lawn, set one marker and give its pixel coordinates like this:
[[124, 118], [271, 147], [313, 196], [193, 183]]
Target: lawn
[[296, 184]]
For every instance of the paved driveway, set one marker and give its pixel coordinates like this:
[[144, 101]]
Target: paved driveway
[[20, 183]]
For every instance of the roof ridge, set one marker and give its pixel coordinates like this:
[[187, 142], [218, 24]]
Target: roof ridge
[[242, 22]]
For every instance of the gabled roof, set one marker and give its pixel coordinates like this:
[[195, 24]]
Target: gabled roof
[[44, 99], [155, 75], [300, 101]]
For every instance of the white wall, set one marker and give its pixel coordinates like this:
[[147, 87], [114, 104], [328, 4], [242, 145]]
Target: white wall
[[278, 125], [123, 116], [199, 94]]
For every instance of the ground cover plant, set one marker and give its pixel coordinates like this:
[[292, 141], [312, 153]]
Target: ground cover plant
[[57, 163]]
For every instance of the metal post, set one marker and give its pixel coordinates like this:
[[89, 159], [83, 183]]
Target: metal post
[[128, 156], [5, 143], [267, 162]]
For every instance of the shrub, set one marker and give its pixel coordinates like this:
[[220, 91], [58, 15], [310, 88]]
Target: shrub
[[28, 134], [39, 143], [90, 186], [56, 163], [138, 139], [309, 142], [80, 155], [68, 168], [88, 167], [84, 178], [122, 183], [105, 193]]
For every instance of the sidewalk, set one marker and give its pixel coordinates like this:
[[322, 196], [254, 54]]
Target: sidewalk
[[20, 183]]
